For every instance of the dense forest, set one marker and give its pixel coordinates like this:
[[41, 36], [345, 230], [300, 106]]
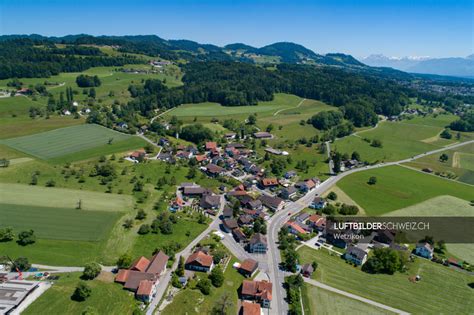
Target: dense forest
[[26, 58]]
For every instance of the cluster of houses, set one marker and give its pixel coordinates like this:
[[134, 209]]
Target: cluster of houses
[[143, 276], [189, 192]]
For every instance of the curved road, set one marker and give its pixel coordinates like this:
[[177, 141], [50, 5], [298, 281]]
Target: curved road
[[277, 276]]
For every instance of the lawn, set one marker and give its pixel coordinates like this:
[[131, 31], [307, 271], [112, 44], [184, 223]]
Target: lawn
[[190, 301], [66, 141], [106, 298], [399, 139], [63, 198], [437, 207], [441, 289], [58, 223], [326, 302], [398, 187]]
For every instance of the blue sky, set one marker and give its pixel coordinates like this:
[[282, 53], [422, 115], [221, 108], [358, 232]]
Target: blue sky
[[360, 27]]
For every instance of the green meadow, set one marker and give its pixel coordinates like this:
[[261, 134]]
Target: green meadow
[[58, 223], [398, 187], [66, 141], [400, 140], [440, 291]]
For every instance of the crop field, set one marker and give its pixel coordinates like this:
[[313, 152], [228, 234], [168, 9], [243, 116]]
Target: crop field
[[58, 223], [64, 141], [438, 207], [324, 302], [398, 187], [63, 198], [423, 297], [399, 140], [22, 125]]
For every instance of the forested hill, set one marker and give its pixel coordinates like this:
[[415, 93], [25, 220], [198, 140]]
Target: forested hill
[[192, 51]]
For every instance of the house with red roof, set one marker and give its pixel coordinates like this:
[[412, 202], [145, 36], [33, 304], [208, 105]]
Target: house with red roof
[[143, 275], [295, 228], [250, 308], [259, 291], [199, 261]]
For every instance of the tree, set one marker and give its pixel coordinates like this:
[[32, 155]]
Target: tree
[[124, 261], [128, 224], [252, 120], [34, 179], [372, 180], [314, 264], [355, 156], [26, 237], [440, 246], [191, 173], [222, 305], [204, 285], [82, 292], [326, 120], [196, 133], [291, 258], [336, 161], [50, 183], [217, 277], [91, 270], [87, 81], [376, 143], [443, 157], [22, 264], [144, 229], [332, 195], [4, 163], [180, 269], [141, 215], [6, 234], [384, 260], [446, 134]]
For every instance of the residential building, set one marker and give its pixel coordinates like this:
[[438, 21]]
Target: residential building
[[289, 192], [239, 236], [229, 224], [210, 202], [307, 270], [425, 250], [262, 135], [248, 267], [273, 203], [250, 308], [318, 203], [258, 243], [355, 255]]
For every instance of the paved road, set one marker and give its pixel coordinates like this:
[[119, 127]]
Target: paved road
[[353, 296], [279, 305], [166, 278]]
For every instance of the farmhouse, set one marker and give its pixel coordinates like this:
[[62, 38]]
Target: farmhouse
[[138, 155], [199, 261], [260, 291], [258, 243], [142, 277]]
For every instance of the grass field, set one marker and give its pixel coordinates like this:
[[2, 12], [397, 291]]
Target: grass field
[[58, 223], [63, 198], [65, 141], [440, 291], [400, 139], [280, 102], [460, 163], [324, 302], [190, 301], [22, 125], [398, 187], [106, 298], [437, 207]]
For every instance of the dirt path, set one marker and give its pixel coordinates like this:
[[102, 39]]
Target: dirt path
[[297, 106], [456, 160]]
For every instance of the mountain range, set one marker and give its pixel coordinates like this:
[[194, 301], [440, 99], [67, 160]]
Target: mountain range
[[279, 52], [452, 66]]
